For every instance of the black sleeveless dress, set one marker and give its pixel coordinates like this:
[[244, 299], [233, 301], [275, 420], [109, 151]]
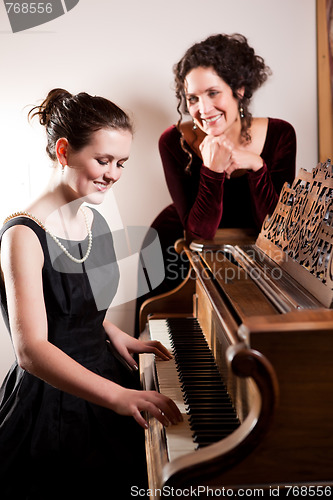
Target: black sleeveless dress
[[53, 444]]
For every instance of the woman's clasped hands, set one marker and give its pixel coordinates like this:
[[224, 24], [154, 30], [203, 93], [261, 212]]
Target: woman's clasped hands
[[220, 155]]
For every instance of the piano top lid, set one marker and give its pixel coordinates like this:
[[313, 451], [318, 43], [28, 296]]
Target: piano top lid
[[298, 236]]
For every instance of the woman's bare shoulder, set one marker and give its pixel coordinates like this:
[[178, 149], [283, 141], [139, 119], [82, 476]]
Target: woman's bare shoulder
[[20, 245], [259, 124]]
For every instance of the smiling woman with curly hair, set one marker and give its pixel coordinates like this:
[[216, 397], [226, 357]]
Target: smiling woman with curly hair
[[223, 168]]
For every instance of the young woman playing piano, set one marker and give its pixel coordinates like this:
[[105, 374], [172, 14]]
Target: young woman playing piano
[[67, 405]]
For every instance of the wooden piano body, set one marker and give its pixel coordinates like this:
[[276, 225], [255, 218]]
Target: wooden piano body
[[266, 312]]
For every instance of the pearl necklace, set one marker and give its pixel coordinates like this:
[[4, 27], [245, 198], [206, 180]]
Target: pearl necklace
[[64, 249]]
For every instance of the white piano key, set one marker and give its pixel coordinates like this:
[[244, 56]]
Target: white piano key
[[179, 437]]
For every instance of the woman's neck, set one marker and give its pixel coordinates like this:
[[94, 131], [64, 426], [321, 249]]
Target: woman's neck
[[59, 209], [195, 137]]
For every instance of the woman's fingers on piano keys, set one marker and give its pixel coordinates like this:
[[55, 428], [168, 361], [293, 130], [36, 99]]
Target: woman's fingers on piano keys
[[170, 409], [162, 408], [157, 348]]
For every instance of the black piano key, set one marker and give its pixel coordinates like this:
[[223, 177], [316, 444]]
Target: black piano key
[[201, 408], [206, 441], [205, 389], [197, 410], [212, 437], [215, 426], [210, 416]]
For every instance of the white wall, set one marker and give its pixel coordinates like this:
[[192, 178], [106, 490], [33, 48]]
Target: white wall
[[125, 51]]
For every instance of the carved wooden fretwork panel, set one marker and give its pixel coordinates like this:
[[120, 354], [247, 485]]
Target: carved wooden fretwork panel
[[302, 223]]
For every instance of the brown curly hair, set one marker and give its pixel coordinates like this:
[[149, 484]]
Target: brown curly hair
[[234, 61]]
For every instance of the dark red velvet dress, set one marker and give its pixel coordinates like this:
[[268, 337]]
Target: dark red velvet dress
[[207, 200]]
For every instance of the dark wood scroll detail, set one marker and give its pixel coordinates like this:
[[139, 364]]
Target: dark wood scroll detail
[[177, 301], [209, 464], [302, 223]]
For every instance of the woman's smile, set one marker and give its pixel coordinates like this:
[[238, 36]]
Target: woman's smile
[[213, 119], [103, 186]]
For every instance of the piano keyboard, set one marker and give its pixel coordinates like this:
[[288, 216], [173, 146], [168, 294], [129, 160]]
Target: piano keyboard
[[193, 381]]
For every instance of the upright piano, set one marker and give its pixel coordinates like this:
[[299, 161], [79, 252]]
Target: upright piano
[[251, 331]]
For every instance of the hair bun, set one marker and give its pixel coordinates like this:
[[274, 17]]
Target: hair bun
[[50, 105]]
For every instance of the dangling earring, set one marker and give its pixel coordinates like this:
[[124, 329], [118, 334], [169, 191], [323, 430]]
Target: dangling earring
[[62, 169], [241, 110], [194, 126]]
